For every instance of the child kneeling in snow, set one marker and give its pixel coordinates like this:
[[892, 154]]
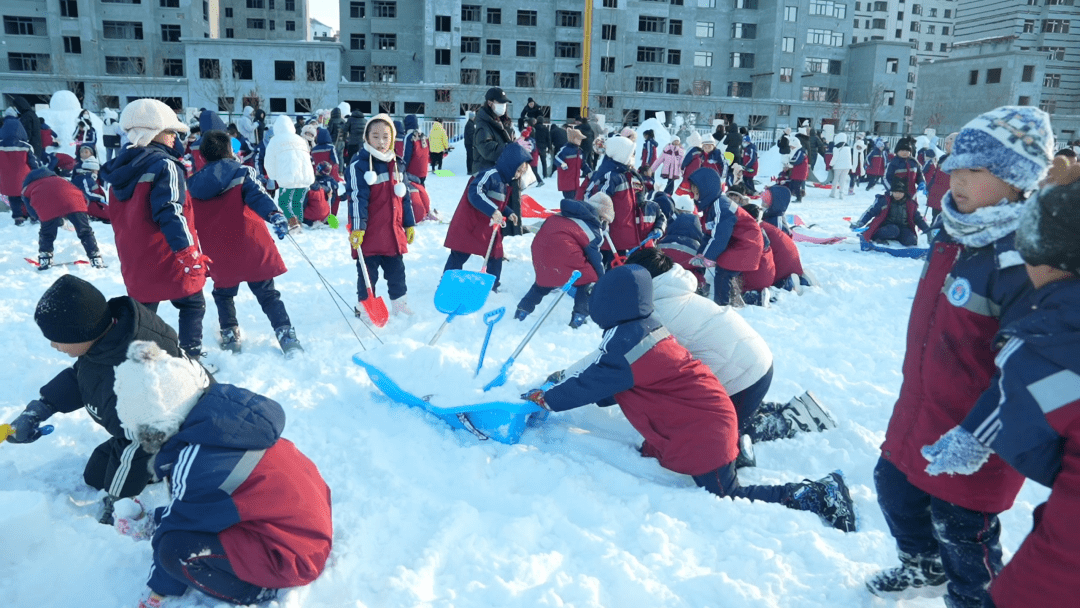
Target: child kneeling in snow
[[220, 448], [675, 401], [894, 216], [567, 242]]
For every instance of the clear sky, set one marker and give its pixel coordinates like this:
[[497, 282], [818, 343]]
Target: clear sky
[[325, 11]]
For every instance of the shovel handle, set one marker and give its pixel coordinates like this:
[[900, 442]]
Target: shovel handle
[[491, 245], [617, 260]]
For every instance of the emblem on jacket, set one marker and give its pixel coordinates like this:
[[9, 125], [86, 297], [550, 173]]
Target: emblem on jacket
[[959, 292]]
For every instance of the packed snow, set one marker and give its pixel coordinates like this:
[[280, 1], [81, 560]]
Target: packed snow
[[428, 516]]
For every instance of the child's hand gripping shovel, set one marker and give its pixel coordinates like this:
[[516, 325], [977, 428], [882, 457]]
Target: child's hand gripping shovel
[[6, 431], [462, 292], [374, 306], [490, 319], [621, 259], [501, 378]]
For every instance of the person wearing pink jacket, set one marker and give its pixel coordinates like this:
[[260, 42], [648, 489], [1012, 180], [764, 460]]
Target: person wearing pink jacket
[[670, 164]]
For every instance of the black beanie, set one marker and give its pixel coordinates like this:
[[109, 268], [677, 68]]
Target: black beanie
[[903, 144], [72, 311], [1048, 227]]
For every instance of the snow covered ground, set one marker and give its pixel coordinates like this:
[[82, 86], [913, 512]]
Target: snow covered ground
[[427, 516]]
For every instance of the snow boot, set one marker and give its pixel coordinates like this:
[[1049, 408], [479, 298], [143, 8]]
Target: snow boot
[[578, 319], [230, 339], [286, 337], [400, 306], [520, 314], [295, 227], [44, 259], [746, 456], [916, 576], [107, 509], [97, 262], [828, 497]]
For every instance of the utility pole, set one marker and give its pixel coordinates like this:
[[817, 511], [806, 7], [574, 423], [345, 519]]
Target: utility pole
[[586, 59]]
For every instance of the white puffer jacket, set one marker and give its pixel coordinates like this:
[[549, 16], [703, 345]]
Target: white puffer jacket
[[288, 156], [717, 335]]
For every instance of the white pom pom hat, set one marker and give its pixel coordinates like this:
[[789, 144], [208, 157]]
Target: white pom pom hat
[[156, 391]]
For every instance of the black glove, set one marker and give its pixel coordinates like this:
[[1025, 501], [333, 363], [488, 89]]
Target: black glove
[[26, 425]]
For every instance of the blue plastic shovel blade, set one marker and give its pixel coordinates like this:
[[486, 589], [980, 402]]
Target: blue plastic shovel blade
[[462, 292]]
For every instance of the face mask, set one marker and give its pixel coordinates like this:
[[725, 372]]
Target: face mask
[[500, 109]]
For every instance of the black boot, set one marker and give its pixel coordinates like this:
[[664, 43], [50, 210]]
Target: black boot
[[916, 576], [828, 497]]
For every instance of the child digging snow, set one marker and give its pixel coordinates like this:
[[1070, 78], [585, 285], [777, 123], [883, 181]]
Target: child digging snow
[[56, 199], [675, 402], [567, 242], [230, 210], [381, 223], [1029, 415], [946, 528], [220, 449]]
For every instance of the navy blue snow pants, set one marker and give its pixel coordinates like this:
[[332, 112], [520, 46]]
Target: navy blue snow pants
[[198, 560]]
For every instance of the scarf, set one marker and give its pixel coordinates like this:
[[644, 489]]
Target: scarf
[[383, 156], [982, 226]]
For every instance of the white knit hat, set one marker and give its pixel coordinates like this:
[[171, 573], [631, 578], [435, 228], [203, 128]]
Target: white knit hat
[[708, 139], [620, 149], [603, 205], [694, 139], [156, 391], [91, 164], [143, 119]]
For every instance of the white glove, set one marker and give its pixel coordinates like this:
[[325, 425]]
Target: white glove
[[956, 453]]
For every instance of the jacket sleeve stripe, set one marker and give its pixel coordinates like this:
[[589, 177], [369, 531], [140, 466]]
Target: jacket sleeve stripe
[[180, 473], [481, 197], [988, 429], [242, 470], [1056, 390], [647, 343]]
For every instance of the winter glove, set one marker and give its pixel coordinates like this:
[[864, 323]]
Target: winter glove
[[524, 143], [701, 261], [193, 261], [921, 189], [957, 452], [26, 425], [131, 519], [356, 238], [410, 234], [536, 396], [280, 224]]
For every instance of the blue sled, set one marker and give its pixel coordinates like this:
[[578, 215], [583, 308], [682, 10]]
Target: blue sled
[[896, 252], [502, 421]]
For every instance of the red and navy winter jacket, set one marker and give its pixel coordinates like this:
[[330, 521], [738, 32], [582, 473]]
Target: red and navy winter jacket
[[964, 296], [765, 274], [487, 192], [381, 208], [319, 196], [683, 241], [152, 219], [231, 211], [937, 185], [779, 198], [648, 153], [16, 157], [1030, 416], [568, 241], [734, 238], [52, 196], [418, 197], [749, 159], [785, 253], [87, 183], [324, 151], [649, 215], [875, 161], [800, 165], [208, 121], [416, 153], [884, 205], [613, 179], [671, 398], [231, 473], [906, 169], [572, 167]]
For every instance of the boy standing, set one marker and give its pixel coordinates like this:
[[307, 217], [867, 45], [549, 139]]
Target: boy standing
[[947, 528], [572, 166], [904, 168]]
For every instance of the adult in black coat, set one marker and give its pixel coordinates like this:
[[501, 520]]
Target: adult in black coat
[[260, 124], [335, 125], [29, 119], [557, 134], [531, 110], [470, 130], [733, 141], [542, 135], [354, 134], [817, 147], [492, 134], [587, 142]]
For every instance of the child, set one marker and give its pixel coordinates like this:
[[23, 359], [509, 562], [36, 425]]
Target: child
[[649, 214], [937, 183], [74, 316], [439, 145], [734, 238], [85, 153], [481, 207], [947, 528], [682, 242], [230, 210], [421, 202], [776, 200], [379, 209], [416, 155], [324, 152], [56, 199], [894, 216], [572, 165], [86, 180], [569, 241], [16, 161], [755, 283], [322, 199], [153, 221], [674, 401], [905, 168], [221, 450], [841, 165], [875, 162], [749, 164], [858, 162], [208, 121], [242, 150], [691, 161], [288, 163], [612, 178], [1028, 415], [648, 152], [798, 167], [670, 164]]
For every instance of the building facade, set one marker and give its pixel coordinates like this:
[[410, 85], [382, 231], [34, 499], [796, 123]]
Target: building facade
[[264, 19]]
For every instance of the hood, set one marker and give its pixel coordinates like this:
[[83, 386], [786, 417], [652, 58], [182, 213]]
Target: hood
[[578, 210], [214, 178], [411, 122], [12, 130], [283, 124], [1053, 328], [249, 111], [675, 283], [36, 174], [20, 103], [322, 136], [357, 114], [209, 121], [399, 130], [511, 158], [125, 169], [109, 113], [779, 197], [335, 113], [708, 184], [231, 417], [684, 229], [623, 294], [841, 138]]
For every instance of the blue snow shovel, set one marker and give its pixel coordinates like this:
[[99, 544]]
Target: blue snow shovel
[[490, 319], [501, 378], [463, 292]]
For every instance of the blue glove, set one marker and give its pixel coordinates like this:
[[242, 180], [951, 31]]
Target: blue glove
[[921, 188], [26, 425], [956, 453], [280, 224]]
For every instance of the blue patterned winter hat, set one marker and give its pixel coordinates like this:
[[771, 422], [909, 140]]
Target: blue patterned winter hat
[[1015, 143]]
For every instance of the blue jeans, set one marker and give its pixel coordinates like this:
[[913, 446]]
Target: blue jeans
[[198, 560], [722, 285], [968, 541], [268, 297]]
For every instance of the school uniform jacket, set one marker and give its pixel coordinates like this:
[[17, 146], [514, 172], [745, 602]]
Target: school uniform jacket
[[152, 219], [87, 183], [749, 160], [16, 157], [765, 274], [52, 196], [682, 241], [231, 211], [648, 152], [937, 184], [378, 209], [671, 398], [567, 242], [879, 212], [324, 151], [572, 166], [416, 154], [231, 473], [906, 169], [613, 179], [785, 253], [734, 239], [800, 166], [875, 161], [317, 205], [487, 192], [964, 296]]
